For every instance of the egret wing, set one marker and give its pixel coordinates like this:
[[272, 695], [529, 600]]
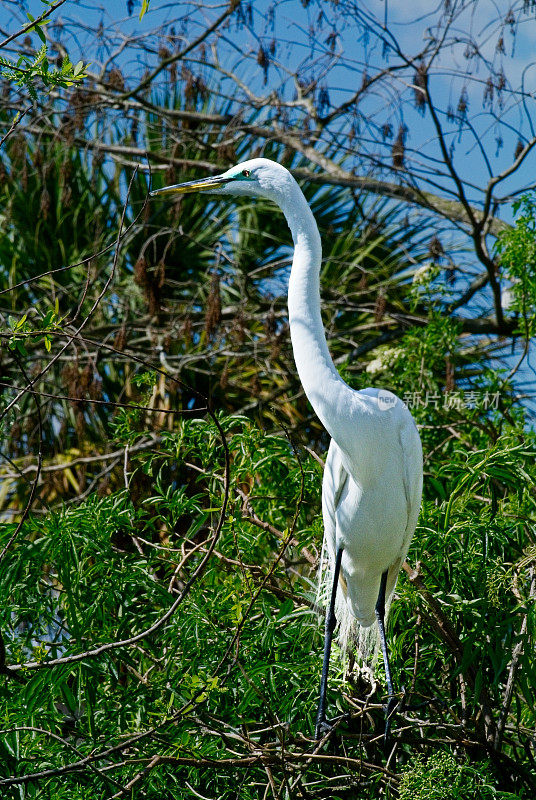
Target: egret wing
[[334, 481], [411, 447]]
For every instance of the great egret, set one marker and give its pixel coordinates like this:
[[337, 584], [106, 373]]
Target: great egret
[[372, 484]]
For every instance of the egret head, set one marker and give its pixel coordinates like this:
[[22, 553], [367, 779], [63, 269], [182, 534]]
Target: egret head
[[258, 177]]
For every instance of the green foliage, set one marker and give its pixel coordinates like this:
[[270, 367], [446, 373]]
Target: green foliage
[[34, 72], [92, 586], [442, 777], [474, 536], [234, 650], [23, 331], [516, 248], [430, 345]]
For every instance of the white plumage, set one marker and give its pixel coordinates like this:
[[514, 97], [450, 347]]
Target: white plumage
[[372, 513], [372, 484]]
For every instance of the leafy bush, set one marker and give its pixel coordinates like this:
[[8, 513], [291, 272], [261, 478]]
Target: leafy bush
[[156, 633], [441, 777]]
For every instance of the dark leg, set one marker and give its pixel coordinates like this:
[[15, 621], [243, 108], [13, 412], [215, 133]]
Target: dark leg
[[330, 627], [380, 616]]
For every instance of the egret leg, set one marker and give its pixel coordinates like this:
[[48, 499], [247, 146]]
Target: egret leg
[[331, 622], [380, 616]]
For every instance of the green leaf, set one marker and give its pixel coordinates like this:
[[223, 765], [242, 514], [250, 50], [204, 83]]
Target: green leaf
[[144, 8], [47, 319]]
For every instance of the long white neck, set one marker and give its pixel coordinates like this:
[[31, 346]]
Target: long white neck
[[322, 384]]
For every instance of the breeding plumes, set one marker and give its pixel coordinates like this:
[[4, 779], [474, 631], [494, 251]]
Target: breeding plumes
[[372, 484]]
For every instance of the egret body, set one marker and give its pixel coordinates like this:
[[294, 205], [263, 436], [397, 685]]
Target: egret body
[[372, 484]]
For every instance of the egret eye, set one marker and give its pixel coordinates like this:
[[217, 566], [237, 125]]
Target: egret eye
[[246, 173]]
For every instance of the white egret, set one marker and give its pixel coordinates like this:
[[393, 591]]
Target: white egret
[[372, 484]]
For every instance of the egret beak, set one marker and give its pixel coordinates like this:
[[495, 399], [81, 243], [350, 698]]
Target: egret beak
[[199, 185]]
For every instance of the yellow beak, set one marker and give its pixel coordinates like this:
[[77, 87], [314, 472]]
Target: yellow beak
[[200, 185]]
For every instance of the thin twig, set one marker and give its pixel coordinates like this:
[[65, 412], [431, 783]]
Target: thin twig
[[514, 666]]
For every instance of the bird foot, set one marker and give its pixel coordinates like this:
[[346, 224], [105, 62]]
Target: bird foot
[[326, 726], [430, 701]]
